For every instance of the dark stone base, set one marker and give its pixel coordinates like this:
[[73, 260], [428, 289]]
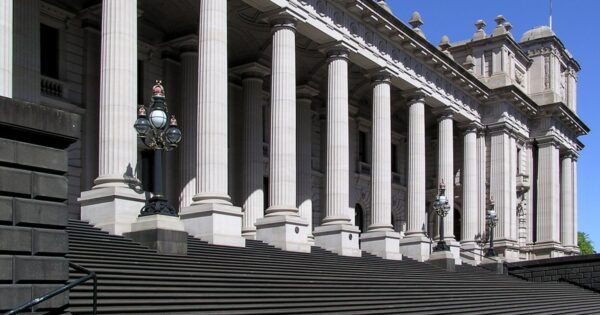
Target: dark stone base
[[444, 260], [164, 241]]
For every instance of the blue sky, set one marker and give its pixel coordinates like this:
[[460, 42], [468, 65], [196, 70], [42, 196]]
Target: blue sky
[[573, 23]]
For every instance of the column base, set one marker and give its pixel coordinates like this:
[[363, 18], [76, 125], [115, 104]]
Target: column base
[[111, 209], [455, 250], [215, 223], [443, 259], [572, 251], [286, 232], [249, 234], [416, 247], [341, 239], [163, 233], [543, 250], [471, 253], [385, 244], [507, 250]]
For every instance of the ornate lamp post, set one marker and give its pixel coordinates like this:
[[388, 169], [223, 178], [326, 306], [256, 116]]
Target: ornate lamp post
[[159, 134], [441, 207], [491, 219]]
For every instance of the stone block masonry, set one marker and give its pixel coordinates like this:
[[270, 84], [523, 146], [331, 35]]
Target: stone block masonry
[[584, 270], [33, 210]]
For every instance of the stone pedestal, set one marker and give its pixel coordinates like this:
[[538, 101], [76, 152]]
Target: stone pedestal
[[215, 223], [471, 253], [495, 264], [455, 250], [416, 247], [111, 209], [341, 239], [384, 244], [507, 250], [548, 250], [163, 233], [444, 260], [287, 232]]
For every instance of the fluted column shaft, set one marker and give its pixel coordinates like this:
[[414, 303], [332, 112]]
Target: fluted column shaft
[[514, 222], [481, 180], [566, 201], [500, 181], [416, 166], [548, 201], [118, 94], [470, 220], [189, 109], [575, 202], [446, 167], [381, 169], [6, 47], [282, 194], [304, 171], [337, 169], [211, 128], [253, 194], [26, 49]]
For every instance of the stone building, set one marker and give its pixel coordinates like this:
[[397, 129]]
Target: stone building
[[327, 122]]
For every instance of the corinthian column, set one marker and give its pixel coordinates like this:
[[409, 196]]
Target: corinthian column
[[381, 240], [211, 217], [188, 148], [446, 167], [548, 200], [415, 245], [336, 232], [470, 218], [6, 47], [252, 175], [566, 202], [575, 207], [282, 226], [303, 147]]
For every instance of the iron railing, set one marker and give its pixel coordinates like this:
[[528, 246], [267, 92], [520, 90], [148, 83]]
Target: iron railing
[[89, 275]]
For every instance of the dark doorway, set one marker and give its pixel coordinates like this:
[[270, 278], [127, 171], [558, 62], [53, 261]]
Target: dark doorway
[[359, 217], [457, 225]]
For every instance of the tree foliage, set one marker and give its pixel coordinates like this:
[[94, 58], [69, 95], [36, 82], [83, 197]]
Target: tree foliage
[[585, 244]]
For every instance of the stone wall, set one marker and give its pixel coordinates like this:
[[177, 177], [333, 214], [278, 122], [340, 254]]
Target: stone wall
[[33, 209], [584, 270]]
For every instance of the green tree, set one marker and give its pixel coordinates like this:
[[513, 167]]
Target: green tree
[[585, 245]]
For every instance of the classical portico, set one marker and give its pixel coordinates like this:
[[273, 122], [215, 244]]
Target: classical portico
[[320, 123]]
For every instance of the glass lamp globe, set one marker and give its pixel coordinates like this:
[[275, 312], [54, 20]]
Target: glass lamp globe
[[158, 118], [173, 135], [142, 125]]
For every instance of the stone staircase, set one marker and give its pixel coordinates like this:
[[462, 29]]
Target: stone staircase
[[261, 279]]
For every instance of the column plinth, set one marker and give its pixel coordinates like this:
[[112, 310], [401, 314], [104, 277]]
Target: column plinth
[[336, 232], [282, 226], [381, 240], [115, 201], [211, 217], [415, 245]]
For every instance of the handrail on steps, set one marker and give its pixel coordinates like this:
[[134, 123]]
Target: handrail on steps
[[89, 275]]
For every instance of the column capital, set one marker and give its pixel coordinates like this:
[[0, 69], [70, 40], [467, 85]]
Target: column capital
[[569, 154], [443, 113], [381, 75], [336, 50], [253, 70], [281, 19], [547, 141], [471, 126], [415, 96], [185, 44], [306, 91]]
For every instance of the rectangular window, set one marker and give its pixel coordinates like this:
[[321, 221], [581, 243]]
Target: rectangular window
[[394, 158], [49, 51], [362, 147], [487, 63]]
